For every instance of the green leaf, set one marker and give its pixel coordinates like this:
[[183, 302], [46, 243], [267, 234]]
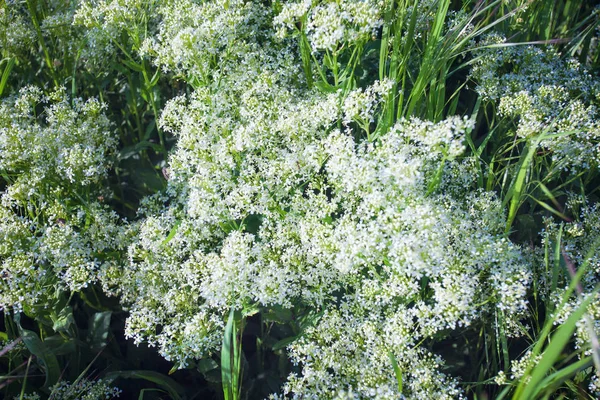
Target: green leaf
[[132, 65], [213, 376], [172, 232], [556, 379], [284, 342], [227, 355], [64, 319], [397, 371], [528, 388], [325, 87], [515, 191], [130, 151], [206, 364], [99, 330], [10, 63], [231, 357], [155, 78], [278, 314], [305, 55], [59, 345], [37, 348], [174, 389]]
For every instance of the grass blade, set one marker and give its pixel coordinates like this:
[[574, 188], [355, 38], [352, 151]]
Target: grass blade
[[10, 63], [231, 360], [397, 371], [528, 389], [516, 189]]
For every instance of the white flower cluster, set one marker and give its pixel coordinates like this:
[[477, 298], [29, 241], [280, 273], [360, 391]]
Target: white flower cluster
[[55, 18], [580, 241], [349, 351], [16, 32], [197, 40], [545, 95], [54, 232], [40, 259], [83, 389], [66, 145], [359, 222], [331, 25], [274, 201], [522, 364], [110, 24], [360, 106]]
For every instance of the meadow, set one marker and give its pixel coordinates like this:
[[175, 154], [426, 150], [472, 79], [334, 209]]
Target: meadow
[[306, 199]]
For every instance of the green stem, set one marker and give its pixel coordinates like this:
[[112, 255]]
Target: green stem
[[31, 5]]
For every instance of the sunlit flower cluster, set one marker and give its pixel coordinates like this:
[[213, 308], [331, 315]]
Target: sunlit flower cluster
[[56, 235], [275, 199], [546, 97], [331, 25], [579, 242], [199, 40], [300, 176], [66, 144]]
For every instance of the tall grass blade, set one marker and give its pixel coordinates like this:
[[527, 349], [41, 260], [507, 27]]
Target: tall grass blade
[[529, 388], [10, 63], [397, 371], [517, 188], [231, 360]]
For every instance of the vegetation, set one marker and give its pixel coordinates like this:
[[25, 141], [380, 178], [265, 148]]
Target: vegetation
[[390, 199]]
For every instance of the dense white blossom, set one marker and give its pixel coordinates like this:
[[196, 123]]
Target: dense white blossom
[[331, 25], [545, 95], [81, 389], [275, 199], [55, 233]]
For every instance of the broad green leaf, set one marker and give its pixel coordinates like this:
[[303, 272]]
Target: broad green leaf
[[206, 364], [63, 321], [99, 330], [37, 348], [175, 390], [59, 345]]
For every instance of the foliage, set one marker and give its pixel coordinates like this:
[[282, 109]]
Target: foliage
[[299, 199]]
